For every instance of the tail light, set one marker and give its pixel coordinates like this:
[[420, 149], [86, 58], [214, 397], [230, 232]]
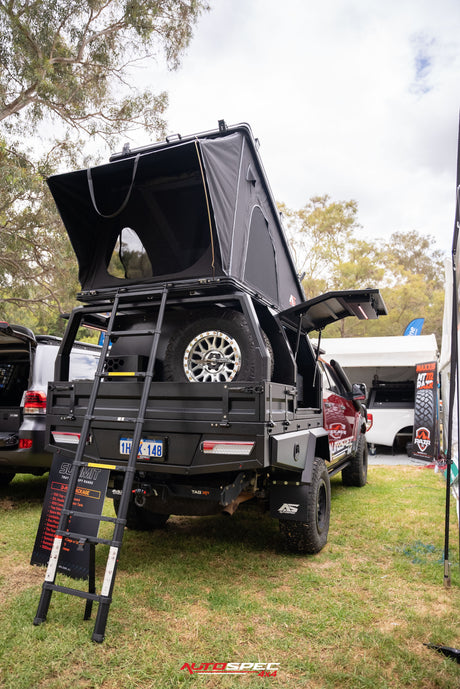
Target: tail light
[[35, 402], [369, 422], [25, 443], [224, 447]]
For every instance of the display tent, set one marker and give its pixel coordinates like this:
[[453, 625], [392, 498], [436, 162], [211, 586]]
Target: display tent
[[194, 208]]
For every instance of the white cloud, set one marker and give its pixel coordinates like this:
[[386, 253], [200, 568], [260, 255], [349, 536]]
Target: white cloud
[[355, 98]]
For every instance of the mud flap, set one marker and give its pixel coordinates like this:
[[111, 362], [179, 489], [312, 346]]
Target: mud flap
[[289, 501]]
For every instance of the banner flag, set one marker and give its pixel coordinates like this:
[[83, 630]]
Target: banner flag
[[89, 497], [415, 327], [425, 439]]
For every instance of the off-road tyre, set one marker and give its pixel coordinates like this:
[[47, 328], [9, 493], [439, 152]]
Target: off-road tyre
[[423, 411], [217, 347], [355, 474], [141, 519], [310, 536]]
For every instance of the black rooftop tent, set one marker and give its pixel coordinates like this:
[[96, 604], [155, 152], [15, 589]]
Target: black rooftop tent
[[198, 207]]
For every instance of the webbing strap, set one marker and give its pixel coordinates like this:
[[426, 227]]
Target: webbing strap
[[127, 197]]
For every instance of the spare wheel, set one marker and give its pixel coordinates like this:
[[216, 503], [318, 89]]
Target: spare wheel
[[218, 347]]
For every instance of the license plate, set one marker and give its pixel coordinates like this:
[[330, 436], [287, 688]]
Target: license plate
[[147, 448]]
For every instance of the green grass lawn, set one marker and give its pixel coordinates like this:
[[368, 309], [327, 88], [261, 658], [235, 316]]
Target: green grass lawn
[[215, 589]]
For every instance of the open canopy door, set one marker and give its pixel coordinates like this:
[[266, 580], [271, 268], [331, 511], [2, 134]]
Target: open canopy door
[[318, 312]]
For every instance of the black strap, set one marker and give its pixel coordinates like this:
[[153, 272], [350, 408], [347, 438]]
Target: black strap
[[125, 202]]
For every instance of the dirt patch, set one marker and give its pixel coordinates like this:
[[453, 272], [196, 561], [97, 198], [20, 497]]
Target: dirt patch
[[16, 578], [7, 504]]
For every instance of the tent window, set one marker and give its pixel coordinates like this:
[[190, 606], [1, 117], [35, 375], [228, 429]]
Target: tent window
[[129, 258], [260, 267]]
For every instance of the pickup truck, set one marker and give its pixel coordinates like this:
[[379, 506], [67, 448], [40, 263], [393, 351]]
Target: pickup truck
[[180, 244]]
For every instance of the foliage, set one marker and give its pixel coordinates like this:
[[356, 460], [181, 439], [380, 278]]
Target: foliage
[[38, 278], [66, 74], [407, 268], [72, 59]]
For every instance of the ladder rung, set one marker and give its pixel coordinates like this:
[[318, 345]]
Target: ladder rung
[[86, 538], [72, 592], [131, 333], [122, 374], [89, 515], [97, 463]]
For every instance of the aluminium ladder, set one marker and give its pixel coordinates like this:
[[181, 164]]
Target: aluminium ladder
[[104, 598]]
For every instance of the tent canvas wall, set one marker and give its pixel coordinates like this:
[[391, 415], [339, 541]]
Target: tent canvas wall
[[196, 208]]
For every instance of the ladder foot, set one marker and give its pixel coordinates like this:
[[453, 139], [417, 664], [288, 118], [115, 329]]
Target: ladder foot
[[43, 605], [98, 638]]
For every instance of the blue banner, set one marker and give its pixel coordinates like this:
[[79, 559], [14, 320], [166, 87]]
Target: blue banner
[[415, 327]]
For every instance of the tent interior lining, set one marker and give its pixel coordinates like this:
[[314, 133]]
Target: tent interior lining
[[166, 209]]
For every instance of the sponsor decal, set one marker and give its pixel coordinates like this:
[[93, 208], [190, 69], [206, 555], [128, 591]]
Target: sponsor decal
[[292, 300], [422, 438], [341, 446], [289, 508], [425, 380], [259, 669], [337, 431]]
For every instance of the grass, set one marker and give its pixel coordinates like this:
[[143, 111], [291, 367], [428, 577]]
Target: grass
[[212, 589]]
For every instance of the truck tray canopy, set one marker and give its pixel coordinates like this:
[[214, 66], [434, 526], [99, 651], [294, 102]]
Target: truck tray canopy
[[195, 207], [318, 312]]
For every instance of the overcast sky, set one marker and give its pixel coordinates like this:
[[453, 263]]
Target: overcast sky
[[358, 99]]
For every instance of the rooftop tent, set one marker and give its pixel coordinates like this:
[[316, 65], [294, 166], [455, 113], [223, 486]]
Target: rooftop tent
[[198, 207]]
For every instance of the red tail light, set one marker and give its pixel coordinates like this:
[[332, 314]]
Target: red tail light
[[369, 422], [35, 402], [25, 443]]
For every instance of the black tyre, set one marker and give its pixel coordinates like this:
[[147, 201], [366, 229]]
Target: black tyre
[[355, 474], [311, 536], [141, 519], [423, 412], [217, 347]]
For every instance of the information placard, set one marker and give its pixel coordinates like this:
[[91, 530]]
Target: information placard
[[89, 497], [425, 439]]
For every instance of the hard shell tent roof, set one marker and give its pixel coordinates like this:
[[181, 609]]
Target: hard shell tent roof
[[198, 207]]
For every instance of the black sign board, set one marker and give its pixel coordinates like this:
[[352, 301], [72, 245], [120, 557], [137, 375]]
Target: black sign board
[[89, 497], [425, 439]]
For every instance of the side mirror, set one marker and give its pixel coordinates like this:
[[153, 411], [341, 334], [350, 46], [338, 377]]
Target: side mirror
[[359, 392]]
